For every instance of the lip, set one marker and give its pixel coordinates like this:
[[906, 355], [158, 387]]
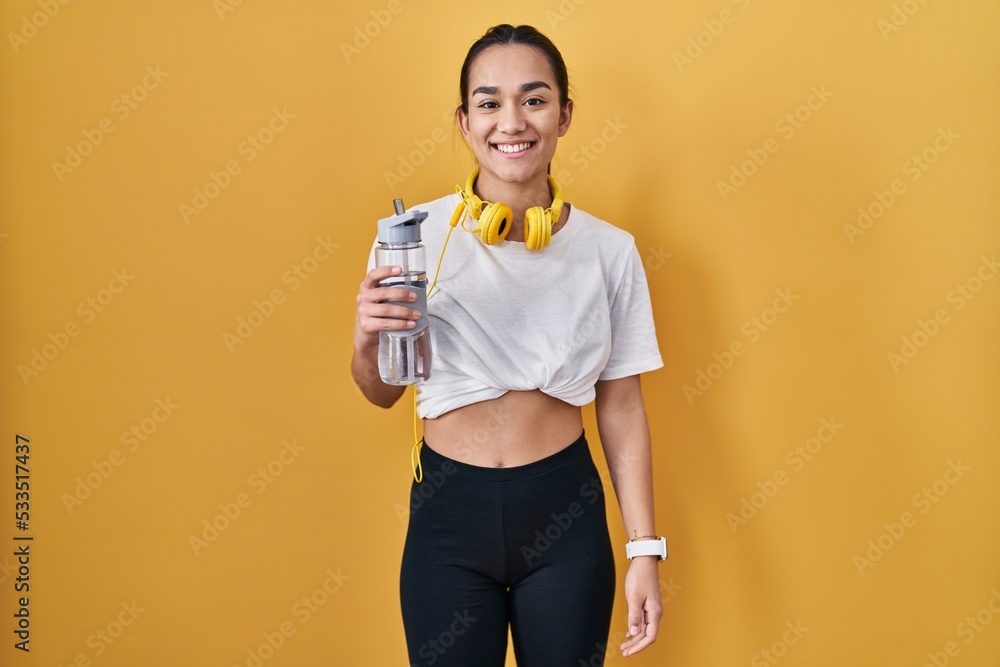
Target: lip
[[531, 145]]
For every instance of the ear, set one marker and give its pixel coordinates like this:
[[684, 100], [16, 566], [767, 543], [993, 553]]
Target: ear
[[565, 118], [463, 124]]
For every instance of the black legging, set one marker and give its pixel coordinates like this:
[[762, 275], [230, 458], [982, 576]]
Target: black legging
[[527, 546]]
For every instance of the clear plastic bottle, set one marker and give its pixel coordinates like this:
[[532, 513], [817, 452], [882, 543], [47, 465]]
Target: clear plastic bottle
[[404, 357]]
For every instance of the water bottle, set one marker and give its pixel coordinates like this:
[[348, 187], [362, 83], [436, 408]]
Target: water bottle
[[404, 357]]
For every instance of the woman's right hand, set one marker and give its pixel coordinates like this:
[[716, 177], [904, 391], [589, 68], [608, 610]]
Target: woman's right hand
[[375, 315]]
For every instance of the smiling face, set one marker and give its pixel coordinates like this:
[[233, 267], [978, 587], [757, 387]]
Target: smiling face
[[514, 117]]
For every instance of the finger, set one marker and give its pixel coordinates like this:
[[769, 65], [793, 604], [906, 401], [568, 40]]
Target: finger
[[388, 310], [378, 274], [640, 642], [634, 624], [634, 619], [633, 645], [388, 294], [632, 638], [383, 316], [639, 645], [629, 647], [650, 628]]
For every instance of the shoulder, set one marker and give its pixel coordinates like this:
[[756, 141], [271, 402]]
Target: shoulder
[[601, 228], [607, 239]]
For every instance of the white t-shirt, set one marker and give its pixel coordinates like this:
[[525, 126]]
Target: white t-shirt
[[507, 318]]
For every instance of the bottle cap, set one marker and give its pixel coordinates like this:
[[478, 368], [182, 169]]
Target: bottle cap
[[404, 227]]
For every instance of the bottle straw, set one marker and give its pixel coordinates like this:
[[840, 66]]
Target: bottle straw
[[398, 205]]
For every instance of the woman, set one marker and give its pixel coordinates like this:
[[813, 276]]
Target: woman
[[508, 522]]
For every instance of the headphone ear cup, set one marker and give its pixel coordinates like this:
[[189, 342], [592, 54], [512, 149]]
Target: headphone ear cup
[[494, 223], [537, 228]]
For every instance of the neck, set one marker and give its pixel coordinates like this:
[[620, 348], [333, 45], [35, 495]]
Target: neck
[[519, 196]]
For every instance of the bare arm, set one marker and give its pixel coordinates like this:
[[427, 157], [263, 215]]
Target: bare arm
[[624, 429], [373, 316], [621, 421]]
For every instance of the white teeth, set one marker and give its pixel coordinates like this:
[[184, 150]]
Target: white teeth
[[512, 148]]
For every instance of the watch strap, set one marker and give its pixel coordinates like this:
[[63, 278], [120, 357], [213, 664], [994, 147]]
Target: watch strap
[[647, 548]]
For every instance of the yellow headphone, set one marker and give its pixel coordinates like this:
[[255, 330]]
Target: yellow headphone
[[494, 218]]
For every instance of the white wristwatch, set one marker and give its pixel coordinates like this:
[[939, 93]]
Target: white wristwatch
[[647, 548]]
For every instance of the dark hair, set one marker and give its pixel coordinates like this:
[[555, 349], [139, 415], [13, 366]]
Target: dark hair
[[503, 34]]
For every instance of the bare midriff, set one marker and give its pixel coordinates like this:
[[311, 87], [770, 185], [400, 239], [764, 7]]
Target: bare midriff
[[517, 428]]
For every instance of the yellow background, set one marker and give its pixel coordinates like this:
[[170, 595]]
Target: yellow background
[[653, 136]]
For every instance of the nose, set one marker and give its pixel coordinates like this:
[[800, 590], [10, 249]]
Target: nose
[[511, 120]]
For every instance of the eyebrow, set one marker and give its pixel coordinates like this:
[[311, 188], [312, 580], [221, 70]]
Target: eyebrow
[[525, 88]]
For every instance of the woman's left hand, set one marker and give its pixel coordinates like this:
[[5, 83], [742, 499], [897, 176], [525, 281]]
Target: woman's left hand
[[645, 606]]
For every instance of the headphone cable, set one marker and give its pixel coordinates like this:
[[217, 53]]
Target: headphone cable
[[418, 471]]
